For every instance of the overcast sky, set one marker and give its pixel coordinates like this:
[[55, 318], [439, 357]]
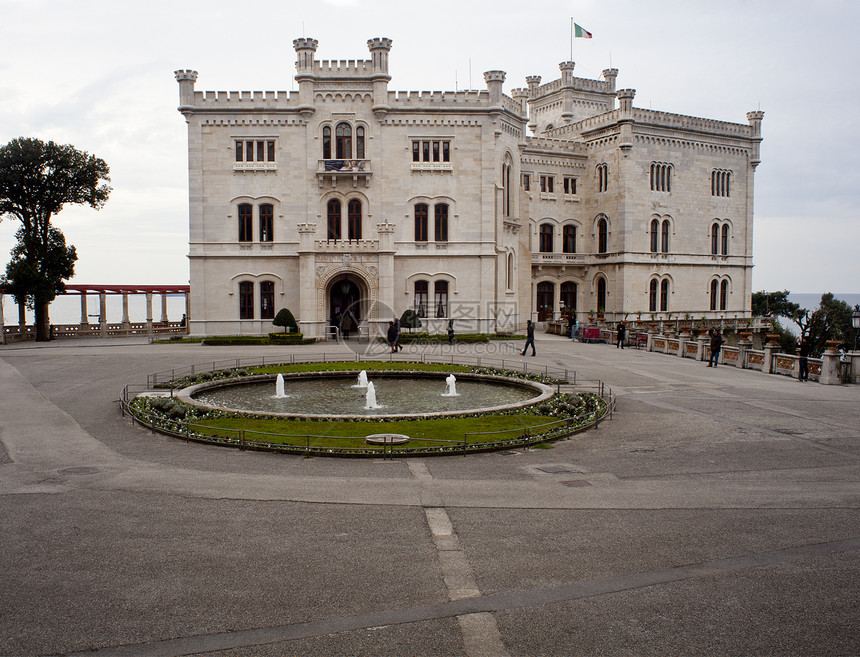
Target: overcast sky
[[98, 74]]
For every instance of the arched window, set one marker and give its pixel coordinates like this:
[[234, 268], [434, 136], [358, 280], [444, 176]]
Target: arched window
[[267, 300], [545, 238], [509, 282], [601, 295], [421, 291], [715, 239], [724, 244], [359, 143], [506, 189], [661, 177], [440, 301], [421, 212], [655, 229], [602, 177], [353, 219], [246, 300], [441, 222], [267, 222], [343, 141], [714, 294], [543, 302], [664, 295], [602, 236], [664, 241], [334, 219], [568, 238], [246, 229], [724, 294], [652, 296], [568, 296], [326, 143]]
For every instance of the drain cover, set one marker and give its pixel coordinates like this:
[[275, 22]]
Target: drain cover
[[80, 470]]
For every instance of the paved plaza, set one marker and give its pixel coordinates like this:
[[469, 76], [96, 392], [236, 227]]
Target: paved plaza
[[716, 513]]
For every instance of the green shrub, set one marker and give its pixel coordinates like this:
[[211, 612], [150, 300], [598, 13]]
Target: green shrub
[[285, 318]]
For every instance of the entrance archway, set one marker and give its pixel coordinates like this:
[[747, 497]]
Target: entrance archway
[[346, 305]]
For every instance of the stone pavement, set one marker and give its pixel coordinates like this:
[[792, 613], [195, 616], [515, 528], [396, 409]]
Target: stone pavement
[[717, 513]]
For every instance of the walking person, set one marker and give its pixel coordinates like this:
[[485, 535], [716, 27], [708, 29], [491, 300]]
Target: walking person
[[803, 361], [716, 345], [572, 325], [622, 333], [530, 337], [391, 336], [450, 331], [397, 345]]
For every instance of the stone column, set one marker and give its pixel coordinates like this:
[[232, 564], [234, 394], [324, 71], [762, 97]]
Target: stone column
[[770, 348], [188, 313], [744, 346], [164, 307], [855, 366], [149, 313], [700, 351], [830, 365], [84, 319], [103, 314], [125, 322], [309, 323], [683, 339]]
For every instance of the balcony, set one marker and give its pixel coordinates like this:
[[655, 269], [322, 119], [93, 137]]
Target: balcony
[[346, 246], [574, 259], [344, 171]]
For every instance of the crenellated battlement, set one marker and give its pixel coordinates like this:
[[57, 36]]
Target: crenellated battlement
[[578, 84], [659, 119], [557, 145], [245, 99], [342, 68]]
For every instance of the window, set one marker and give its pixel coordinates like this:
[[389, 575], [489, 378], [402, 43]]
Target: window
[[421, 288], [546, 184], [255, 150], [343, 141], [440, 291], [333, 219], [509, 282], [545, 238], [568, 296], [421, 212], [601, 294], [715, 239], [568, 238], [245, 226], [267, 300], [602, 236], [527, 181], [359, 143], [724, 294], [724, 242], [664, 295], [661, 177], [569, 185], [721, 183], [267, 221], [437, 150], [664, 237], [655, 227], [326, 143], [441, 217], [246, 300], [714, 294], [652, 296], [353, 219], [506, 189], [544, 298], [602, 177]]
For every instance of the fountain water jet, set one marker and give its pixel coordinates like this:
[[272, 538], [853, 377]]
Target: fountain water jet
[[370, 397], [362, 380], [279, 387], [451, 383]]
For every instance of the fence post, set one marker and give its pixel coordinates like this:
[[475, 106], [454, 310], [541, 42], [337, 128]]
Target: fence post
[[241, 439]]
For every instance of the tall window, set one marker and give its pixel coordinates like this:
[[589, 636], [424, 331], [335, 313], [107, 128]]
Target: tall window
[[664, 237], [255, 150], [431, 151], [267, 222], [545, 292], [441, 222], [601, 294], [421, 212], [721, 183], [545, 238], [602, 177], [568, 238], [359, 143], [724, 294], [353, 219], [724, 243], [246, 300], [421, 291], [343, 141], [602, 236], [715, 239], [546, 184], [661, 177], [664, 295], [334, 219], [655, 227], [569, 185], [440, 303], [568, 296], [267, 300], [714, 294], [327, 143], [509, 282], [652, 295], [246, 228], [527, 181], [506, 189]]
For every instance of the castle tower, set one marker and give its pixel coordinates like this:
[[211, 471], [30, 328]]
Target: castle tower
[[186, 80], [609, 74], [755, 122], [379, 49], [494, 80], [567, 94], [305, 49]]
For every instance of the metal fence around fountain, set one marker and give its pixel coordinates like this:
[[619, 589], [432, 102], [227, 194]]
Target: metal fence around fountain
[[305, 443]]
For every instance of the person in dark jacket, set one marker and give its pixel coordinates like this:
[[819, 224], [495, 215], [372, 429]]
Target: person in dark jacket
[[391, 336], [803, 361], [716, 345], [530, 337], [622, 333], [450, 331]]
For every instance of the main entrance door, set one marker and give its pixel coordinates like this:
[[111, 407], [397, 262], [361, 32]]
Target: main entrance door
[[345, 306]]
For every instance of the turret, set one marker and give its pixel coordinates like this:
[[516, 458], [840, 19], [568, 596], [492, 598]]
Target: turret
[[305, 49], [494, 80], [609, 74], [755, 123], [521, 96], [379, 49], [186, 80], [625, 97], [533, 81], [567, 91]]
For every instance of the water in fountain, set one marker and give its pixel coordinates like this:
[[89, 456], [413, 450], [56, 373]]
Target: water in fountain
[[279, 387], [362, 380], [451, 383], [370, 397]]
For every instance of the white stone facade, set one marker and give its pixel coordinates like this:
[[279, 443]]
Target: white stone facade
[[348, 203]]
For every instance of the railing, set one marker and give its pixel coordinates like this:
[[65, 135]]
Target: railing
[[18, 333], [308, 444]]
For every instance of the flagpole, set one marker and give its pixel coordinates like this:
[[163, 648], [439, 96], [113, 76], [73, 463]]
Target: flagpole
[[571, 38]]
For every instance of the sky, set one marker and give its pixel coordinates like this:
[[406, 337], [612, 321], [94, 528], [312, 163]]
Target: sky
[[98, 74]]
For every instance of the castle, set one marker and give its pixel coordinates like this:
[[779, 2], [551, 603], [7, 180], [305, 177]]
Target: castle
[[349, 203]]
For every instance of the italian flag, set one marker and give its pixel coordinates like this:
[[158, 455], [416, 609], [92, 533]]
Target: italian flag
[[581, 32]]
